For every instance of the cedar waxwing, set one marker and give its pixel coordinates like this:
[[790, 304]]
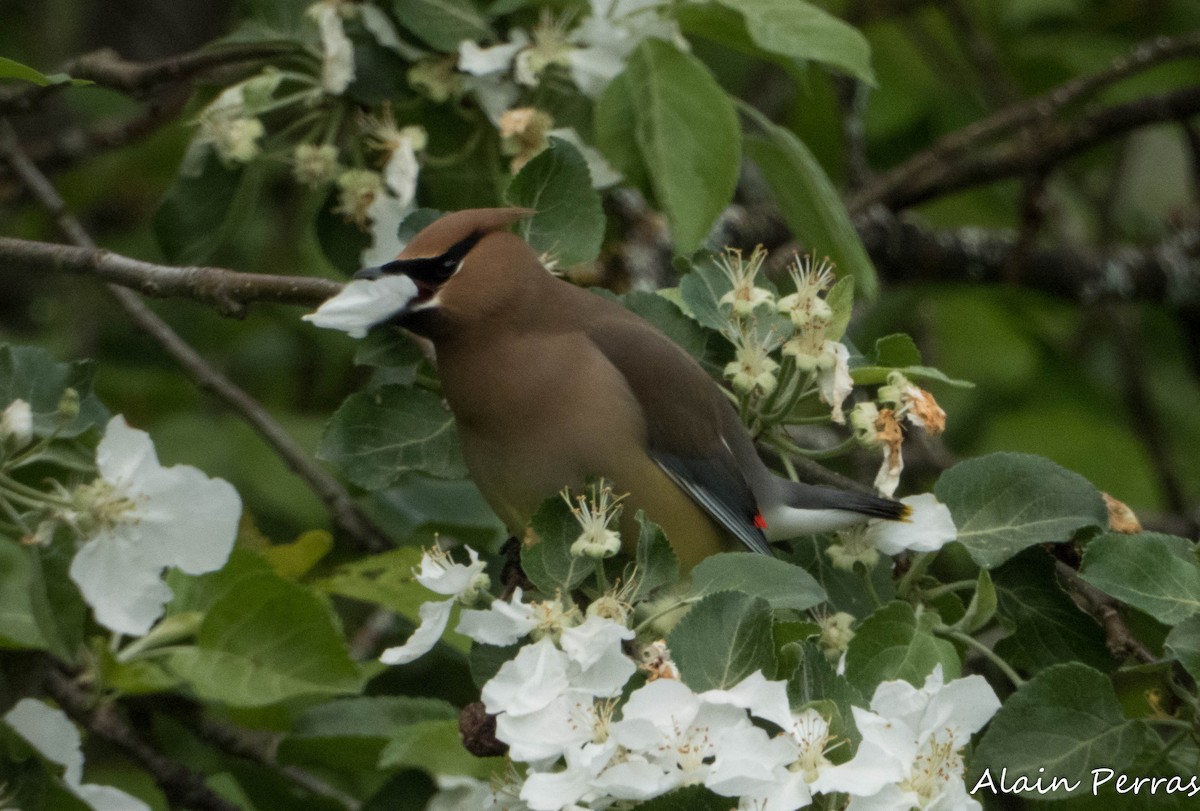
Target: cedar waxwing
[[551, 384]]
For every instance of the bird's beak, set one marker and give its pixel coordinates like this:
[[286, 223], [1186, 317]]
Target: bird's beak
[[371, 273]]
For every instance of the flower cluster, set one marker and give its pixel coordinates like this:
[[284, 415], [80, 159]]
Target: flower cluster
[[814, 361], [583, 740]]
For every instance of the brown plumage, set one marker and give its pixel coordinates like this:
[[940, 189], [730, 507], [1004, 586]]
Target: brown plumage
[[550, 384]]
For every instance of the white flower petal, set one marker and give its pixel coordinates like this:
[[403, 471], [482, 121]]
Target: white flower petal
[[496, 59], [186, 519], [964, 705], [635, 778], [835, 383], [552, 791], [123, 588], [125, 454], [528, 682], [51, 733], [386, 213], [748, 761], [501, 624], [546, 734], [928, 529], [379, 26], [108, 798], [764, 698], [364, 303], [435, 615], [337, 67], [441, 575]]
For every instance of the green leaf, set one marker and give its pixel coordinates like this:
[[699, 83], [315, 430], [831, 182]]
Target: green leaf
[[377, 435], [436, 747], [1046, 626], [614, 129], [443, 23], [701, 290], [781, 584], [894, 643], [31, 374], [1152, 572], [813, 678], [569, 223], [840, 299], [670, 320], [982, 607], [800, 30], [692, 798], [205, 206], [1183, 644], [688, 136], [897, 350], [266, 640], [722, 640], [810, 204], [845, 589], [26, 616], [1064, 722], [657, 563], [351, 733], [1005, 502], [875, 375], [11, 69], [295, 559], [549, 563]]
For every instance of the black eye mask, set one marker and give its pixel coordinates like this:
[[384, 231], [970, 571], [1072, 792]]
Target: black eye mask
[[432, 272]]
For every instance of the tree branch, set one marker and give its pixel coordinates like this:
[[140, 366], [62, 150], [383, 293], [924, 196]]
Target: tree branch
[[937, 160], [905, 251], [184, 788], [227, 290], [108, 69], [348, 518]]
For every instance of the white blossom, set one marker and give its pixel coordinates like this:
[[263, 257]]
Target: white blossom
[[440, 574], [363, 303], [315, 164], [51, 733], [911, 741], [138, 518], [502, 623], [595, 513]]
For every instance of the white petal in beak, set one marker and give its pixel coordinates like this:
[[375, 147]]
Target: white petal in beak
[[363, 303]]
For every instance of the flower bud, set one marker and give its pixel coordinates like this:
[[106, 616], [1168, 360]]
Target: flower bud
[[16, 425], [68, 406]]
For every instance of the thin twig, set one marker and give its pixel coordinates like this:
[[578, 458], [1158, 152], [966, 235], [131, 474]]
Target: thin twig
[[1107, 611], [1041, 108], [108, 69], [260, 748], [183, 787], [349, 519], [995, 81], [227, 290], [1050, 145]]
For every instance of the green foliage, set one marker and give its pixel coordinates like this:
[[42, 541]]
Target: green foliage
[[1156, 573], [686, 134], [442, 23], [1066, 720], [377, 435], [569, 223], [782, 585], [204, 208], [31, 374], [262, 640], [895, 643], [724, 638], [1005, 502], [548, 563], [656, 564], [809, 202]]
